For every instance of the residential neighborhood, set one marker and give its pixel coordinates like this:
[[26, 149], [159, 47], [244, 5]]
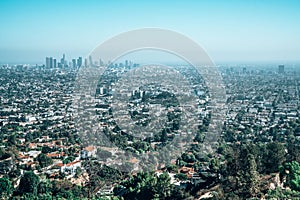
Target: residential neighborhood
[[39, 133]]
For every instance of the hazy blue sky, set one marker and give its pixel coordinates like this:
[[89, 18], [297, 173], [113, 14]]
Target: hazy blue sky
[[228, 30]]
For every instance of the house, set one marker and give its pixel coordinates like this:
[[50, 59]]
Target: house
[[70, 167], [189, 171], [88, 152], [32, 145], [33, 154], [55, 155], [24, 158]]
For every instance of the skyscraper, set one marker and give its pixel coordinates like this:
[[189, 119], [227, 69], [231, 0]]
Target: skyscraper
[[47, 62], [85, 62], [281, 69], [79, 62], [74, 63], [51, 62], [91, 61], [63, 61], [54, 63]]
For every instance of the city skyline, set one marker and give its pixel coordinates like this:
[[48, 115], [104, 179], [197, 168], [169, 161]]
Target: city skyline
[[229, 31]]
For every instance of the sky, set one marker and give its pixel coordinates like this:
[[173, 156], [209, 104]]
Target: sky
[[230, 31]]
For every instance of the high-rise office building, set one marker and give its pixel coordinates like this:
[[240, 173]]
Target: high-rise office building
[[91, 61], [281, 69], [85, 62], [73, 63], [47, 62], [51, 62], [63, 61], [54, 63], [79, 62]]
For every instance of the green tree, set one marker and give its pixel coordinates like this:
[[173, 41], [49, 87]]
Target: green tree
[[163, 187], [4, 154], [148, 186], [279, 193], [11, 140], [214, 165], [29, 183], [78, 172], [29, 196], [291, 171], [274, 157], [293, 152], [46, 196], [62, 189], [250, 177], [188, 157], [5, 188], [181, 176], [68, 159], [44, 187], [240, 175], [44, 161], [46, 149], [78, 191]]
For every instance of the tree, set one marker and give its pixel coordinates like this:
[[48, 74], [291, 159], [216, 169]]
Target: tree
[[4, 154], [251, 177], [44, 161], [78, 191], [291, 171], [29, 196], [44, 187], [78, 172], [14, 173], [29, 183], [273, 157], [163, 187], [179, 194], [46, 196], [11, 140], [5, 188], [68, 159], [293, 152], [240, 175], [280, 193], [181, 176], [62, 189], [214, 165], [148, 186], [46, 149], [188, 157]]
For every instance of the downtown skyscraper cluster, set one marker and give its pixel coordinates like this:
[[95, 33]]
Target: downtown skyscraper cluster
[[52, 62]]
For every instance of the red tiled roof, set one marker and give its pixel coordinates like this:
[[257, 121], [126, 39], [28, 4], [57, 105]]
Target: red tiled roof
[[59, 164], [21, 156], [73, 163], [51, 155], [89, 148], [186, 170], [32, 145]]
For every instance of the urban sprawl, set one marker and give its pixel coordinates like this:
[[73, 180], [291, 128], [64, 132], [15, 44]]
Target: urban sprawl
[[43, 156]]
